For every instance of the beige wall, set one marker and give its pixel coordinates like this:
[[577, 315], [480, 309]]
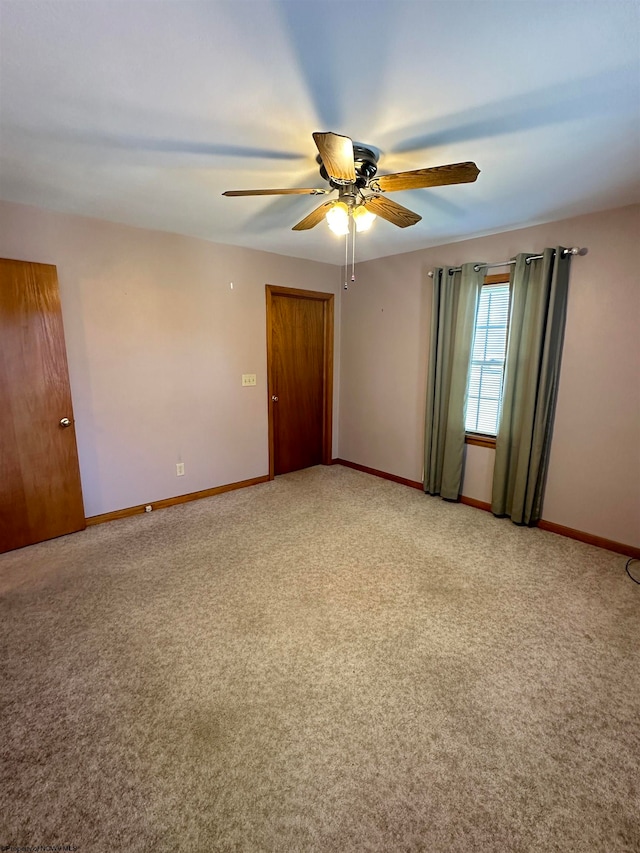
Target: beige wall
[[594, 475], [157, 343]]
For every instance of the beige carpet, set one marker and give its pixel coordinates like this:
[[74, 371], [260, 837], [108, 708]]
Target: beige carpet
[[327, 662]]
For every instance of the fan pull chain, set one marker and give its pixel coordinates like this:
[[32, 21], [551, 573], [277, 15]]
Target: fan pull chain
[[353, 253], [346, 259]]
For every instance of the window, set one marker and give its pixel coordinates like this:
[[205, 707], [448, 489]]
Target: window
[[484, 393]]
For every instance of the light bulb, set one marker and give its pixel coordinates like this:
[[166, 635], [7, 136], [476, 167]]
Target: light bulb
[[363, 218], [338, 218]]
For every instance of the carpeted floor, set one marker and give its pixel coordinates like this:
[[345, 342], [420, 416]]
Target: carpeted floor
[[326, 662]]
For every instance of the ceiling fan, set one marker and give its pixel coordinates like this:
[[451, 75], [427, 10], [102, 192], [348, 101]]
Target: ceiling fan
[[351, 170]]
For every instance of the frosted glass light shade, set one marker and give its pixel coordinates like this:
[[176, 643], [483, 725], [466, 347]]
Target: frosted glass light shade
[[363, 218], [338, 218]]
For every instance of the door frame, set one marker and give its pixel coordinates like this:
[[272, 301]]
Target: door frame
[[327, 369]]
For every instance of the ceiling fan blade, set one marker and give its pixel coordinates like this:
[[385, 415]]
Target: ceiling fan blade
[[276, 192], [313, 218], [437, 176], [337, 155], [391, 211]]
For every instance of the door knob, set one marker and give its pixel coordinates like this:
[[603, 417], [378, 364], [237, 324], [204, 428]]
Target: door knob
[[274, 398], [65, 422]]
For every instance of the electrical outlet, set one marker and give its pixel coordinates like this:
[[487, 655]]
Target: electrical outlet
[[179, 469], [248, 379]]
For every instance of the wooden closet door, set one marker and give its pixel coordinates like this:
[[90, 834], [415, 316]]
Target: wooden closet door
[[300, 364], [40, 492]]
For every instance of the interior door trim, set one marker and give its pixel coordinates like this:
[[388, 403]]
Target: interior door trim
[[327, 370]]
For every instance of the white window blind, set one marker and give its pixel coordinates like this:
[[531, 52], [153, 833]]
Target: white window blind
[[484, 394]]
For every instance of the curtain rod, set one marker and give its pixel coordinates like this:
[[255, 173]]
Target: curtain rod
[[477, 267]]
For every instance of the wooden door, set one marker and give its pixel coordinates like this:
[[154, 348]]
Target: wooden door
[[40, 493], [300, 387]]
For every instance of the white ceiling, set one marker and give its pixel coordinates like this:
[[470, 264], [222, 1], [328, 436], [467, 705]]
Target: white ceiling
[[145, 112]]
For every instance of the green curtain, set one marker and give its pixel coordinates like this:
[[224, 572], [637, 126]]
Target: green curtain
[[539, 290], [455, 298]]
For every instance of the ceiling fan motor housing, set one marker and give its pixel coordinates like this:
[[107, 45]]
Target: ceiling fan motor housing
[[365, 162]]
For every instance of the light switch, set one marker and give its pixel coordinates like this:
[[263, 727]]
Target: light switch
[[248, 379]]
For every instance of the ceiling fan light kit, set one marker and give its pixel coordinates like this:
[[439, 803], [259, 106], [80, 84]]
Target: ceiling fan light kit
[[339, 212], [351, 169]]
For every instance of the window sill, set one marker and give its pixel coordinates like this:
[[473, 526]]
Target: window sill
[[480, 440]]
